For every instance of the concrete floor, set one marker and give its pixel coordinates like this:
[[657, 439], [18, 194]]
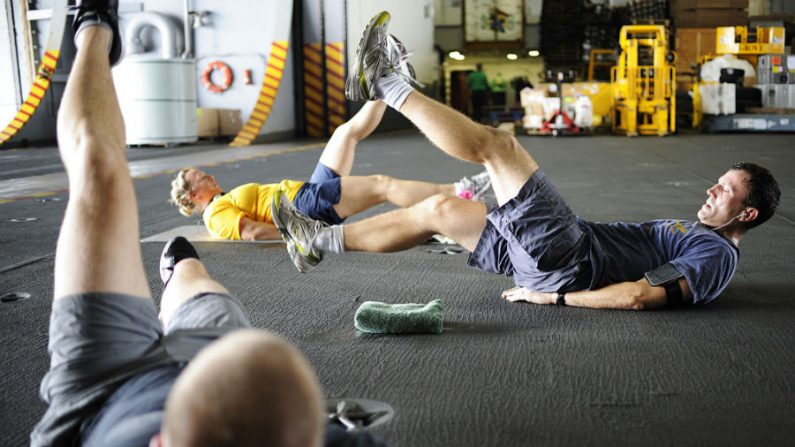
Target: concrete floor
[[501, 373]]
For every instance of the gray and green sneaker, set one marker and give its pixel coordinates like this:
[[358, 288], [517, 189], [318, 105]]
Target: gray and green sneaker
[[298, 231], [371, 61]]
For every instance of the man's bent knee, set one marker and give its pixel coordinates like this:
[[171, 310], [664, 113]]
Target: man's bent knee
[[438, 207], [381, 184], [347, 130], [381, 179], [85, 132], [507, 151], [492, 143], [95, 169], [502, 142]]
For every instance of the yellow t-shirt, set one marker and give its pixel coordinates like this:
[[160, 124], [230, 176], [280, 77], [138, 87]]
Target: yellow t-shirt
[[222, 217]]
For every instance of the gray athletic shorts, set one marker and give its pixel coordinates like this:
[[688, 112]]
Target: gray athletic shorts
[[535, 238], [98, 340]]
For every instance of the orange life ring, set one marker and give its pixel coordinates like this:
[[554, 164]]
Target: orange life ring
[[207, 80]]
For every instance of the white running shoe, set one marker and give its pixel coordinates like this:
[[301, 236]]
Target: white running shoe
[[371, 61], [398, 58], [378, 55], [472, 188]]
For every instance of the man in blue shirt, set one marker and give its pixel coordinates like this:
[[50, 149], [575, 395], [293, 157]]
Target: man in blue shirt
[[554, 256], [120, 374]]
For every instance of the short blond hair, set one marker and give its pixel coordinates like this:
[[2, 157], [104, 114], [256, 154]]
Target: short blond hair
[[180, 194]]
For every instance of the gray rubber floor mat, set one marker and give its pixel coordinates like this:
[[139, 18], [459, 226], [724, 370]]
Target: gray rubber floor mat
[[501, 374]]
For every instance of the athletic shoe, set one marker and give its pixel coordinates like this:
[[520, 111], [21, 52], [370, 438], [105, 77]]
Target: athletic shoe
[[472, 188], [371, 61], [177, 249], [100, 12], [398, 58], [298, 231]]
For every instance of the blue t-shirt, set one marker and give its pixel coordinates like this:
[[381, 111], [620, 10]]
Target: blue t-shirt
[[134, 413], [625, 251]]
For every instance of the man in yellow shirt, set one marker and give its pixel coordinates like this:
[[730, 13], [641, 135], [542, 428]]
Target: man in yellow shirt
[[331, 195]]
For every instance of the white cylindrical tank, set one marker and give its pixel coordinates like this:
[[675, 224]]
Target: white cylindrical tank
[[158, 99], [583, 112]]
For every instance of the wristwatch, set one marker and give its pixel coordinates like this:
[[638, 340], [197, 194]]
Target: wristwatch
[[561, 301]]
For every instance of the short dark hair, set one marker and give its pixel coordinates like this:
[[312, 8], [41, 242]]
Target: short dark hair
[[763, 192], [479, 66]]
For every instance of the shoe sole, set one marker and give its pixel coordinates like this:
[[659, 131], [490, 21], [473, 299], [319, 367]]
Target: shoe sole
[[380, 19], [111, 19], [292, 243], [167, 271]]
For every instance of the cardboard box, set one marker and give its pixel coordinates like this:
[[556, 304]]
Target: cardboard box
[[229, 122], [213, 123], [697, 18], [207, 122], [691, 44], [710, 4]]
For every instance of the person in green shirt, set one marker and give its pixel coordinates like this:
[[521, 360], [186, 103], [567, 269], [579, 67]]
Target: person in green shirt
[[478, 86], [498, 86]]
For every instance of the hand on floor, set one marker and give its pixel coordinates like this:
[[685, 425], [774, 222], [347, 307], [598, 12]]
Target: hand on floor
[[524, 294]]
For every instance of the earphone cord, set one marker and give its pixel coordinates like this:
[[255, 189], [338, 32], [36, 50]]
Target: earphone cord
[[727, 223]]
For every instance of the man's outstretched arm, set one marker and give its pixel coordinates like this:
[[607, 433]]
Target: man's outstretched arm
[[252, 230], [637, 295]]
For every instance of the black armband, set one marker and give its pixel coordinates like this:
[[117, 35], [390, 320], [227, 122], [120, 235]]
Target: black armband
[[663, 275], [673, 293], [668, 277]]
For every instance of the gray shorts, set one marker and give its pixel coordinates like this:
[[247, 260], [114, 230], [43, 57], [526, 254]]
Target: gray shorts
[[98, 340], [535, 238]]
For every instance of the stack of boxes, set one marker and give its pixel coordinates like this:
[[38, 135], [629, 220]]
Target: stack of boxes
[[791, 81], [709, 13], [214, 123], [690, 45], [695, 22], [561, 34], [775, 81]]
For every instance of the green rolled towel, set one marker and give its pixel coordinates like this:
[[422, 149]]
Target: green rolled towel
[[382, 318]]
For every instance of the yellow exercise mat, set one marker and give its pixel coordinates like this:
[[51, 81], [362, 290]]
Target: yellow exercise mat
[[197, 233]]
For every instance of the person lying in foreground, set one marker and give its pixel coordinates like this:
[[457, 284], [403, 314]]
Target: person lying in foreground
[[121, 374]]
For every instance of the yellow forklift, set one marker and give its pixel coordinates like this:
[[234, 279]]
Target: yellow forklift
[[643, 83]]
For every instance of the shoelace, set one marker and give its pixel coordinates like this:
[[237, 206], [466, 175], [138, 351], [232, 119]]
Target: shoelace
[[305, 227], [403, 60]]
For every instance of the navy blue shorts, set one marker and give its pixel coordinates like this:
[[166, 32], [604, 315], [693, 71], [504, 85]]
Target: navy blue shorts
[[535, 238], [317, 198]]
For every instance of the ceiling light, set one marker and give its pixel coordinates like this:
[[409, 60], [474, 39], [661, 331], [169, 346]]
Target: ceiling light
[[534, 53], [512, 56], [456, 55]]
